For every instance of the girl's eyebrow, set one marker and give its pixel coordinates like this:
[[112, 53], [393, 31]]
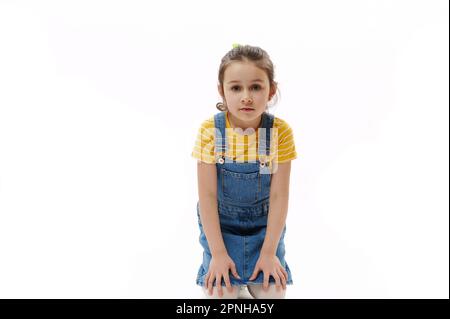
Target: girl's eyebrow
[[257, 80]]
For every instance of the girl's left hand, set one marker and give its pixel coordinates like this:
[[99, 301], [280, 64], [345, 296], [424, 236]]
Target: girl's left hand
[[270, 265]]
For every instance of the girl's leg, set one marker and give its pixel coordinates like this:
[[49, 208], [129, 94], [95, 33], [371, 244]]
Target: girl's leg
[[226, 295], [258, 292]]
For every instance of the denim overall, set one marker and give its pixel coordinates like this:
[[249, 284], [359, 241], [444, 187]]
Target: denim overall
[[243, 191]]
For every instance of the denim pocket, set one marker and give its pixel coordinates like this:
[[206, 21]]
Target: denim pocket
[[241, 188]]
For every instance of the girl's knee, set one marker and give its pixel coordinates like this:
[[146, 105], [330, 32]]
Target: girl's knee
[[226, 294], [272, 292]]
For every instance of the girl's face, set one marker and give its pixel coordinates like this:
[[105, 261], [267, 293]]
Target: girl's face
[[246, 91]]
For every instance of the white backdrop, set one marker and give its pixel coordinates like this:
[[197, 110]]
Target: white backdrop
[[100, 102]]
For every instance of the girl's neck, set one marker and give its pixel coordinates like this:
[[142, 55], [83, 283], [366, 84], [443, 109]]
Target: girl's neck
[[244, 126]]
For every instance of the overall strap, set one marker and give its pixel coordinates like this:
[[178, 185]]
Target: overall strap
[[264, 136], [220, 144]]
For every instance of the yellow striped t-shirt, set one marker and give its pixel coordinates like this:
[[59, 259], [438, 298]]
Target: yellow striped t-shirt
[[244, 148]]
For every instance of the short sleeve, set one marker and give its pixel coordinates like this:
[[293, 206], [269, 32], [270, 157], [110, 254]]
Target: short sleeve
[[204, 145], [286, 146]]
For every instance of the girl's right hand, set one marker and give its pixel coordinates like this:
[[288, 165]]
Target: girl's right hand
[[219, 267]]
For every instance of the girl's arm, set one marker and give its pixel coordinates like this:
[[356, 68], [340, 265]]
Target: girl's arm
[[220, 263], [279, 197], [268, 262], [207, 191]]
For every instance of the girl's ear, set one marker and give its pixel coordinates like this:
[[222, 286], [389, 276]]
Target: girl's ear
[[273, 90]]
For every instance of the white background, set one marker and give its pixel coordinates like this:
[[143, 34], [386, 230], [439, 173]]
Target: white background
[[100, 103]]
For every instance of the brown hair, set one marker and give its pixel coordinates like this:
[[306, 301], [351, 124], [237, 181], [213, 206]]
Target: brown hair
[[247, 53]]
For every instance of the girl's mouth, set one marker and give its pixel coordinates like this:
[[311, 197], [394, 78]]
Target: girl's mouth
[[247, 109]]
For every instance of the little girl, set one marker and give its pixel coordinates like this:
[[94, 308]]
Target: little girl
[[244, 156]]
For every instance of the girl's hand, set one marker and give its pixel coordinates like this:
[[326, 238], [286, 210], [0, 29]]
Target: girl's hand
[[270, 265], [219, 267]]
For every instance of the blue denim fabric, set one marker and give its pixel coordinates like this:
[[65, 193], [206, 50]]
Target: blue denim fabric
[[243, 191]]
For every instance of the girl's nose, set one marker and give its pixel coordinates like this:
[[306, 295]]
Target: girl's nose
[[246, 100]]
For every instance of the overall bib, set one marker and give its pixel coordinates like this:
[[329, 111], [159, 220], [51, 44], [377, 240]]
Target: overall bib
[[243, 191]]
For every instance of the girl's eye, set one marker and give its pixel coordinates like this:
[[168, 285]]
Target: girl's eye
[[256, 87]]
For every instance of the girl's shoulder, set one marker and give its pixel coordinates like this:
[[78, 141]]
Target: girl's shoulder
[[206, 129], [279, 122], [286, 146], [282, 126]]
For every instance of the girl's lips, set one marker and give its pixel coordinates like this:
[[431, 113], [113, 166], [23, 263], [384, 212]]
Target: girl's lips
[[247, 109]]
